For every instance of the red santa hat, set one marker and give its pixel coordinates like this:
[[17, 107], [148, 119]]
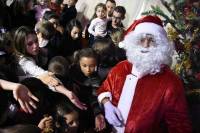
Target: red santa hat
[[148, 24]]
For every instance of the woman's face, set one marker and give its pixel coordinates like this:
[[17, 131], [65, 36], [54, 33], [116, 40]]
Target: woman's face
[[75, 33], [32, 46], [88, 65]]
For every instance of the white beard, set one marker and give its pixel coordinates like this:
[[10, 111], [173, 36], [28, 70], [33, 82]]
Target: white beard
[[149, 60]]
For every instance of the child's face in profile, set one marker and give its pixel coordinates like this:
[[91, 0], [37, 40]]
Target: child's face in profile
[[88, 65], [72, 120], [75, 33]]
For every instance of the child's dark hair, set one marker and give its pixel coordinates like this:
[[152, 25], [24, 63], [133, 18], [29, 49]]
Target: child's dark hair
[[97, 6], [105, 50], [71, 24], [86, 52], [49, 15], [63, 107], [59, 66]]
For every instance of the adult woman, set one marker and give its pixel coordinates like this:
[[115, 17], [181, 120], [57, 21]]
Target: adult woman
[[29, 60]]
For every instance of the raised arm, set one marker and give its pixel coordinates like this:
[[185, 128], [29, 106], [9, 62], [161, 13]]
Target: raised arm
[[21, 94]]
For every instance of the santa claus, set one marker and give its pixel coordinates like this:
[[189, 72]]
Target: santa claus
[[142, 94]]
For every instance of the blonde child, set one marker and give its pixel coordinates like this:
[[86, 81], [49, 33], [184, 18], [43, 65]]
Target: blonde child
[[117, 36]]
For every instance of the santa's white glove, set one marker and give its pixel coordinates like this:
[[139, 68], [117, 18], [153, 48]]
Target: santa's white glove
[[113, 114]]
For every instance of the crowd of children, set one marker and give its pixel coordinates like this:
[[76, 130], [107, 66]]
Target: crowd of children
[[50, 68]]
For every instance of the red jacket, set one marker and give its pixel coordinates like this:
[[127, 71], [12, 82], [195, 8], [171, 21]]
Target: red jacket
[[159, 100]]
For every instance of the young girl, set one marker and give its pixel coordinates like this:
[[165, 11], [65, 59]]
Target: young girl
[[27, 57], [71, 38], [98, 24], [84, 74], [41, 8]]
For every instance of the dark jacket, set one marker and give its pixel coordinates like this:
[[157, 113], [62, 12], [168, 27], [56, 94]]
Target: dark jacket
[[67, 14], [87, 95], [69, 46]]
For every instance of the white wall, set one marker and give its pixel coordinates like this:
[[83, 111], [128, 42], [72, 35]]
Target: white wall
[[134, 8]]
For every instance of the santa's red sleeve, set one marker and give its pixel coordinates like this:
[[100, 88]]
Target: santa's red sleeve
[[176, 111], [106, 88], [112, 86]]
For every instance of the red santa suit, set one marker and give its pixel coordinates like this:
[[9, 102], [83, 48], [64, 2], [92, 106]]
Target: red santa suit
[[158, 101]]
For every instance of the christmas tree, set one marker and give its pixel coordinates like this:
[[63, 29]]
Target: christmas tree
[[184, 31]]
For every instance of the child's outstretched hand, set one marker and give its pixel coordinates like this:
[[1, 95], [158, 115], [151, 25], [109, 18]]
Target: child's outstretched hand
[[46, 124], [100, 122]]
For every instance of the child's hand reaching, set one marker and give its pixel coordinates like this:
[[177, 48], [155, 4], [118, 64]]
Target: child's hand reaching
[[100, 123], [46, 124]]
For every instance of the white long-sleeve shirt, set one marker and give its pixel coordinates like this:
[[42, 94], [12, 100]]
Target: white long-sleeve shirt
[[98, 27], [28, 68]]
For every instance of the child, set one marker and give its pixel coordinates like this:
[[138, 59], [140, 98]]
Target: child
[[117, 36], [41, 8], [109, 55], [45, 34], [53, 18], [83, 73], [69, 12], [54, 5], [66, 116], [71, 39], [98, 24], [59, 66]]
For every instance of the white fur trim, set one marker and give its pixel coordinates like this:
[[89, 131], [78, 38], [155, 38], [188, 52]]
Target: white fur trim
[[126, 98], [151, 28], [104, 95]]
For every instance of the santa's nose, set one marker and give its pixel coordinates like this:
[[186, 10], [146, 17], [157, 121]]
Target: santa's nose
[[147, 42]]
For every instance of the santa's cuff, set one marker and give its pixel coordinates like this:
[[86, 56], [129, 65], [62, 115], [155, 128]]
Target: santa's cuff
[[104, 95]]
